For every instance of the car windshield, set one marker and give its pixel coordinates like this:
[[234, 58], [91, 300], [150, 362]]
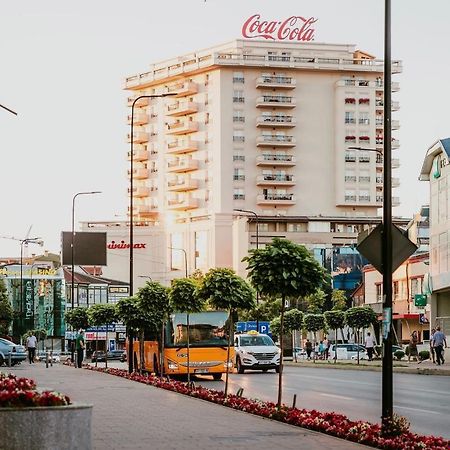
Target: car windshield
[[256, 341], [206, 329], [5, 341]]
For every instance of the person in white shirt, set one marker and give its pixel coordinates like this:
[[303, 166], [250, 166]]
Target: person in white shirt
[[31, 346], [369, 344]]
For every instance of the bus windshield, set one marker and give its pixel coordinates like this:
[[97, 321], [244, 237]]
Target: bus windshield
[[206, 329]]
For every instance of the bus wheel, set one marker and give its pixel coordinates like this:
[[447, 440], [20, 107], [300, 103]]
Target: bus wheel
[[239, 367], [217, 376]]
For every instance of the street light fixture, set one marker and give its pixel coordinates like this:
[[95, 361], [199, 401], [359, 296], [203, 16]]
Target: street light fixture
[[130, 349], [72, 247]]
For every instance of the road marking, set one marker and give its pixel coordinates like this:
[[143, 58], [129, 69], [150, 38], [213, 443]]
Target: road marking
[[428, 411], [341, 397]]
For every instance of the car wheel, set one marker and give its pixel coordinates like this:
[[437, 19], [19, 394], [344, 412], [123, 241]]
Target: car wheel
[[265, 370], [217, 376], [239, 367]]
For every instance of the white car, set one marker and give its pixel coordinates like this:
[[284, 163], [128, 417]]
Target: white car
[[255, 351], [347, 351]]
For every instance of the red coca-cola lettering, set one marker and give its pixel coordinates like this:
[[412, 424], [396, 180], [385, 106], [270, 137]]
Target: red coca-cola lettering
[[293, 28], [113, 245]]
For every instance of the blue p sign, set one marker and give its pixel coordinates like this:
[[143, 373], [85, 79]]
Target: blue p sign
[[263, 328]]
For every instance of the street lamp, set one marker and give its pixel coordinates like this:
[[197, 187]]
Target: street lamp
[[72, 247], [185, 259]]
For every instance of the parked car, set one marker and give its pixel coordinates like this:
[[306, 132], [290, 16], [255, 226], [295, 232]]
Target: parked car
[[363, 354], [123, 358], [299, 353], [347, 351], [98, 356], [115, 354], [18, 352], [42, 356]]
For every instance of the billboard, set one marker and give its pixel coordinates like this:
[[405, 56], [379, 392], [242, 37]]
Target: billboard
[[89, 248]]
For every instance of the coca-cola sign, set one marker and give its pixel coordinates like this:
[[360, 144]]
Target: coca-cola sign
[[294, 28]]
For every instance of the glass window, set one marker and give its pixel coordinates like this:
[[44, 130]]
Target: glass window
[[238, 77], [201, 249], [176, 255]]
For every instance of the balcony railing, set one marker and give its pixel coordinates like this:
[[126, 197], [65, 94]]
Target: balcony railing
[[275, 140], [182, 165], [364, 198], [139, 174], [275, 100], [185, 184], [364, 179], [276, 121], [182, 127], [350, 198], [276, 81], [140, 191], [287, 199], [181, 108], [139, 155], [274, 160], [350, 158], [182, 146], [350, 178], [138, 119], [184, 203], [139, 137], [275, 179], [184, 89]]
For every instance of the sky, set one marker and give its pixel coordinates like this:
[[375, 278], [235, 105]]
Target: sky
[[63, 66]]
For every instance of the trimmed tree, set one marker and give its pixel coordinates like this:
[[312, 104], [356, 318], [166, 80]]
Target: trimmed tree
[[183, 298], [360, 317], [99, 315], [6, 310], [275, 327], [315, 301], [339, 300], [313, 323], [225, 290], [293, 321], [78, 318], [335, 320], [284, 269]]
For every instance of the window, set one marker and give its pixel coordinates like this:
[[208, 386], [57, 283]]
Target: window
[[238, 96], [238, 77], [350, 117], [350, 157], [350, 176], [238, 116], [350, 195], [201, 249], [238, 174], [364, 195], [396, 290], [238, 157], [364, 176], [238, 136], [364, 118], [176, 254], [238, 194], [297, 227], [379, 289]]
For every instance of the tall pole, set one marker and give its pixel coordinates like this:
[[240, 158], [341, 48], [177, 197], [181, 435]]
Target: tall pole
[[9, 110], [387, 378], [131, 261]]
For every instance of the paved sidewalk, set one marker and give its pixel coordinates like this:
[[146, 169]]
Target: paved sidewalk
[[131, 415]]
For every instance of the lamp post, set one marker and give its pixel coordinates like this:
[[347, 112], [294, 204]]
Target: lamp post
[[9, 110], [72, 246], [130, 347], [25, 241]]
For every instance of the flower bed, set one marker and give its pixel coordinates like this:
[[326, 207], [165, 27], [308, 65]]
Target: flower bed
[[18, 392], [326, 422]]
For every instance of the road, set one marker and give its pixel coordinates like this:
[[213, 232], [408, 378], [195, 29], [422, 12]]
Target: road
[[423, 399]]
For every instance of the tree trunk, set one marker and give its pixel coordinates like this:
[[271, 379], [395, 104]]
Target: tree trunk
[[230, 332], [106, 348], [294, 353], [141, 352], [96, 348], [357, 345], [335, 346], [188, 355], [161, 359], [280, 373]]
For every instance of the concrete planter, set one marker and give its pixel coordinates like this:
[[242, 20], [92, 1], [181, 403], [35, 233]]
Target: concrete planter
[[46, 428]]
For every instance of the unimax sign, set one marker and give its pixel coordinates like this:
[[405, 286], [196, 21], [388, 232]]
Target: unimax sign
[[113, 245], [294, 28]]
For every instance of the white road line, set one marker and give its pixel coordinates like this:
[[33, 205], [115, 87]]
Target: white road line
[[428, 411], [341, 397]]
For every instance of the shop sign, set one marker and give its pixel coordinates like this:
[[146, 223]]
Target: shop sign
[[122, 245], [294, 28], [94, 336]]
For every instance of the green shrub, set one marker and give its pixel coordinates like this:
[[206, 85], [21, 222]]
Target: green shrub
[[399, 354], [424, 354]]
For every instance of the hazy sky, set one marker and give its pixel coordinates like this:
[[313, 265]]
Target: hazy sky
[[63, 67]]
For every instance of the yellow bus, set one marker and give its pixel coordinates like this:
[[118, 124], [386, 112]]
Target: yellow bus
[[208, 340]]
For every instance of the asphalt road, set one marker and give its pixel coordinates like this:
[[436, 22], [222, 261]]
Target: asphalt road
[[423, 399]]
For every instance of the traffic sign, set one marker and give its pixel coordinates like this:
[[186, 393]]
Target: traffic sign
[[370, 246], [420, 300]]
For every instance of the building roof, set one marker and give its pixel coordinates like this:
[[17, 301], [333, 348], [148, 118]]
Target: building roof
[[82, 278], [440, 146]]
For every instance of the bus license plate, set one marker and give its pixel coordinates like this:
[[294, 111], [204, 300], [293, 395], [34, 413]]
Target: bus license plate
[[201, 371], [265, 362]]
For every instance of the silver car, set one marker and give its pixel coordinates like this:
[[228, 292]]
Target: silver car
[[18, 353]]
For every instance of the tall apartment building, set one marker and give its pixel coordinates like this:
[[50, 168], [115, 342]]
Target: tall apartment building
[[265, 127]]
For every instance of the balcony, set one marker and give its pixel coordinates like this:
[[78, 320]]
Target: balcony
[[183, 89], [275, 140], [139, 174], [364, 179], [181, 109], [395, 143], [350, 179], [182, 146], [139, 137], [144, 210], [139, 104], [275, 199], [395, 163], [276, 121], [395, 182], [379, 180], [395, 201], [275, 180], [182, 165], [276, 81], [139, 119], [395, 125], [182, 127], [350, 198], [276, 160], [139, 155], [140, 191], [182, 204], [182, 184], [280, 101]]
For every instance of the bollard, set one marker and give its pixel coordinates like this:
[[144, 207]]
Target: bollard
[[239, 392], [9, 359], [294, 401], [51, 358], [46, 360]]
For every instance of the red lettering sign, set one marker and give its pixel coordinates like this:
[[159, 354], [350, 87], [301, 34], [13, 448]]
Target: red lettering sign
[[113, 245], [294, 28]]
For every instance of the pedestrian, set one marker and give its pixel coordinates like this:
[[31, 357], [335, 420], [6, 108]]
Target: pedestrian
[[412, 347], [438, 342], [316, 350], [370, 345], [432, 351], [326, 348], [308, 348], [80, 348], [31, 346], [321, 350]]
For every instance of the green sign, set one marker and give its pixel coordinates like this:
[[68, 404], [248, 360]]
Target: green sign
[[420, 300]]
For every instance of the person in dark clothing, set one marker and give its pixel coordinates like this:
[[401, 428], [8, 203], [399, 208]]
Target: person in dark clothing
[[308, 348], [80, 348]]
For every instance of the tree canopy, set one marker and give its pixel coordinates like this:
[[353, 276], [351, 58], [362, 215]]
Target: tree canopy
[[184, 296], [6, 310], [102, 314], [314, 322], [293, 320], [334, 319], [77, 318], [360, 317]]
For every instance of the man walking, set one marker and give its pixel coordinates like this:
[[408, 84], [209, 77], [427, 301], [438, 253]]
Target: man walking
[[31, 346], [80, 349], [438, 343], [369, 344]]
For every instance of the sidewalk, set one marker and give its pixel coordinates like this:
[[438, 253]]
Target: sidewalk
[[130, 415], [424, 368]]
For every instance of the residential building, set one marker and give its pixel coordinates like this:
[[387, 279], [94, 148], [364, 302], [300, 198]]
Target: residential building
[[259, 126]]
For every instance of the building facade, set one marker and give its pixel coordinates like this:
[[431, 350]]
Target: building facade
[[265, 127]]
